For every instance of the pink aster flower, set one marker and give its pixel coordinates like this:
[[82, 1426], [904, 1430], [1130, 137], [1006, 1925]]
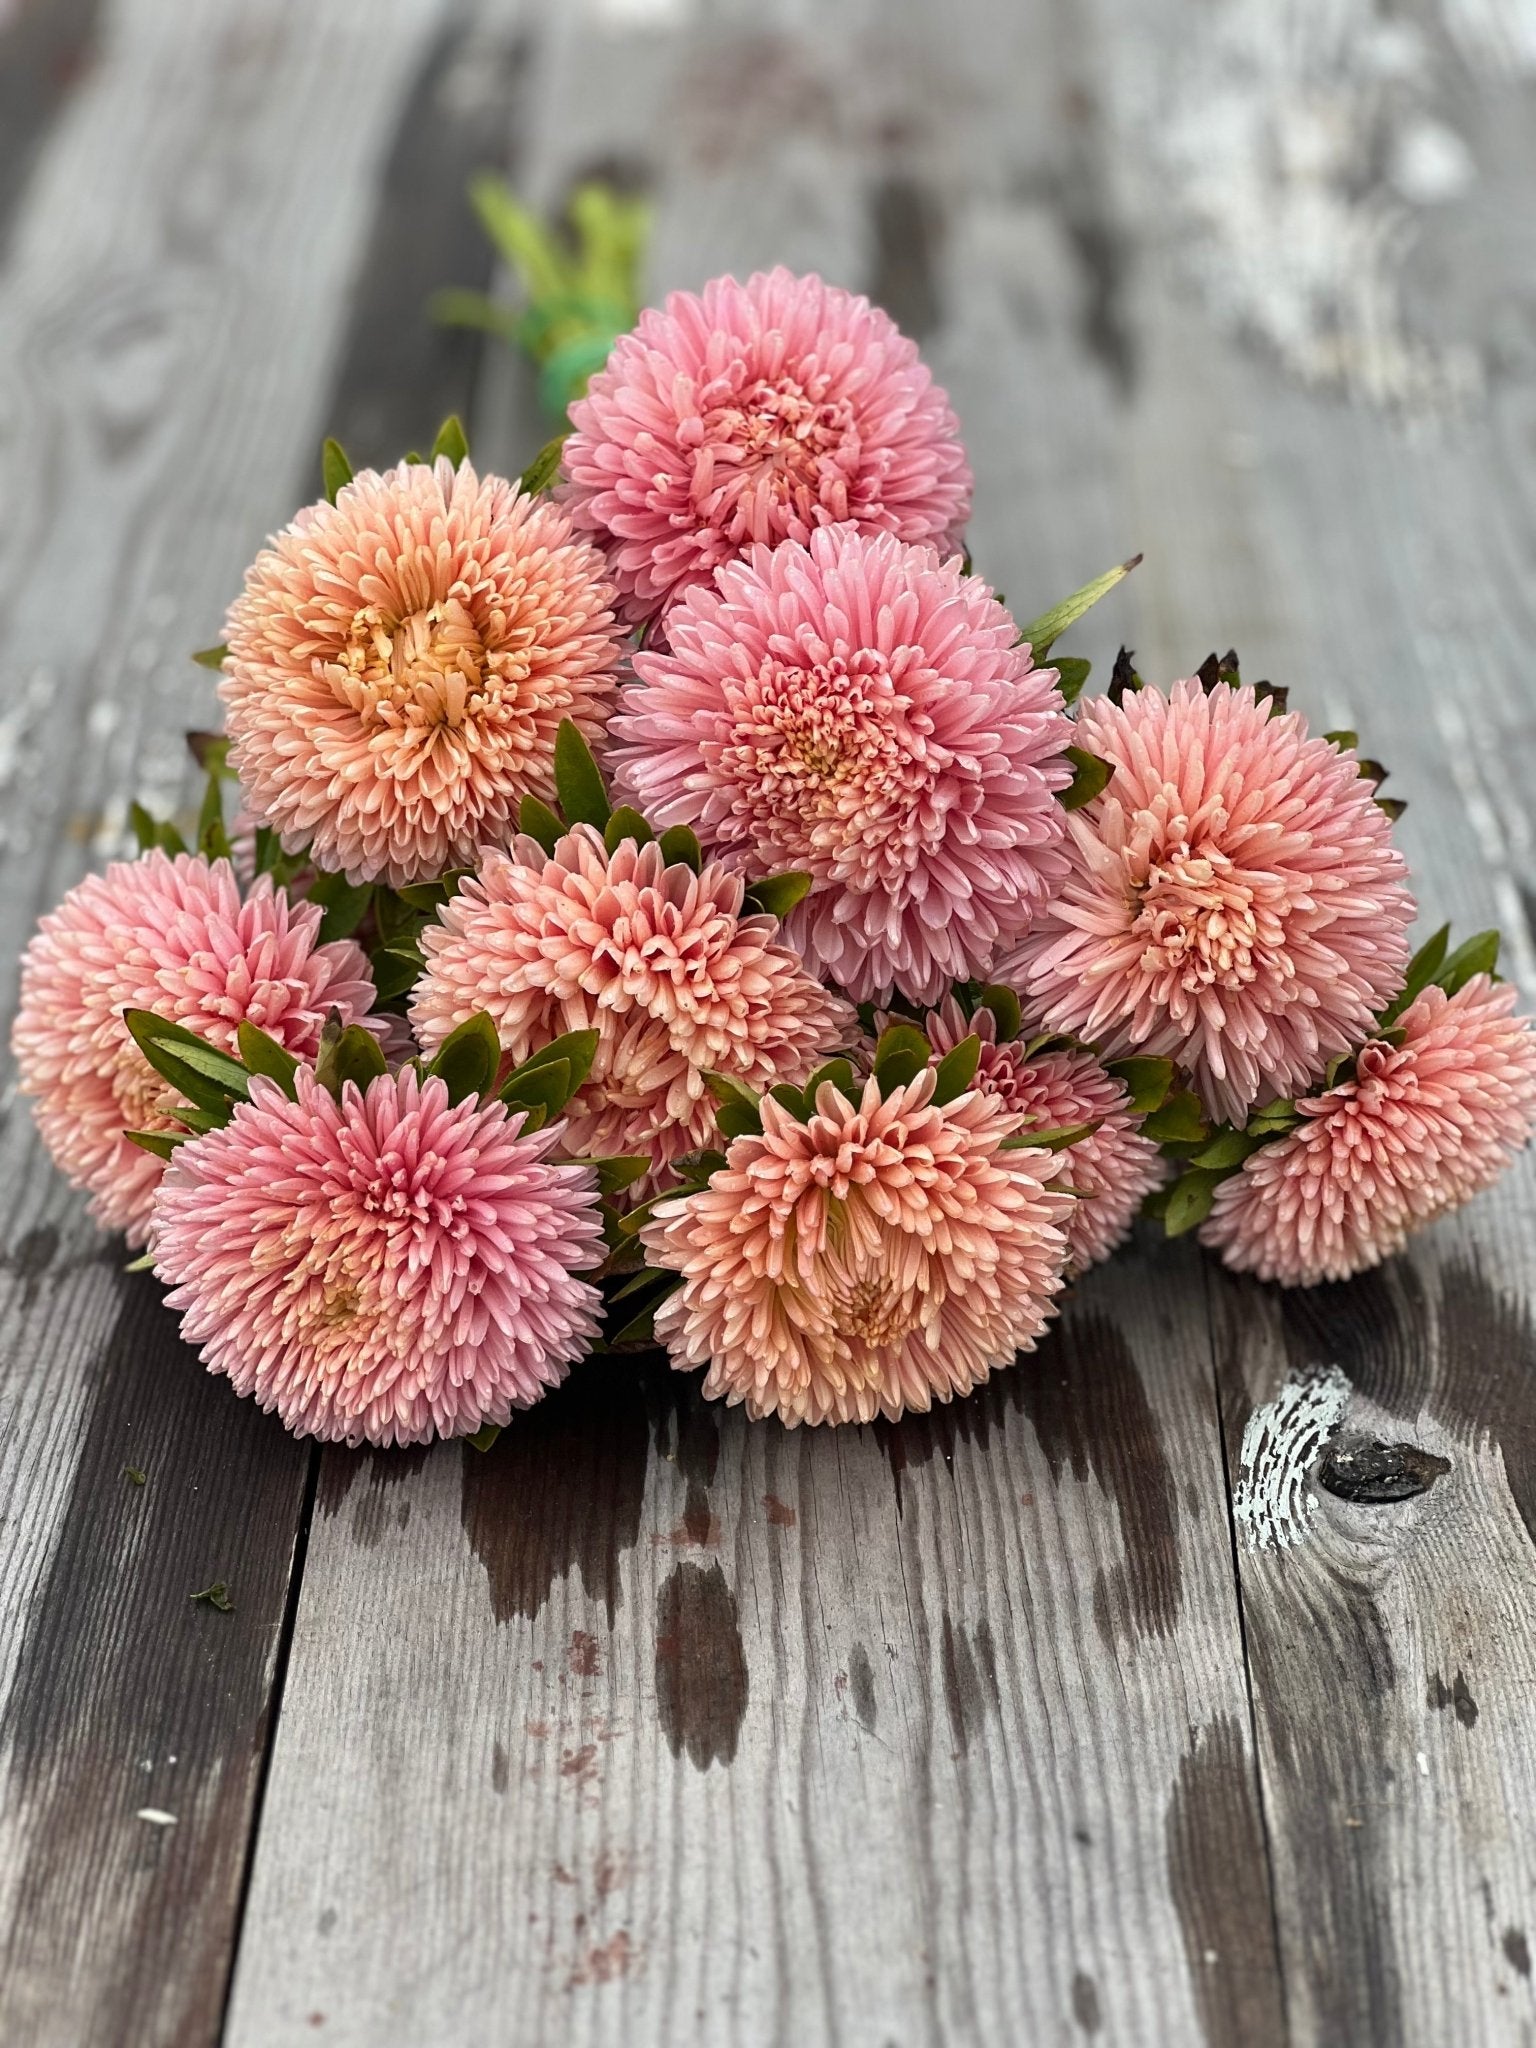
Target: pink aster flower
[[858, 709], [172, 936], [399, 664], [1113, 1169], [381, 1268], [758, 413], [1419, 1129], [659, 959], [1235, 900], [882, 1256]]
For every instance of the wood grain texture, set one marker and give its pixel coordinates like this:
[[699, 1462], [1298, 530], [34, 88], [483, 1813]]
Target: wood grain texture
[[170, 305], [656, 1726], [1361, 540]]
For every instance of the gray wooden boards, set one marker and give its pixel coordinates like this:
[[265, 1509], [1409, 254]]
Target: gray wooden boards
[[1177, 1687], [177, 277]]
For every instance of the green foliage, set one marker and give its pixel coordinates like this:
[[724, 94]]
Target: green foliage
[[1042, 633], [778, 894], [578, 780], [451, 441], [626, 823], [1147, 1081], [1090, 775], [680, 844], [1071, 674], [335, 470], [957, 1070]]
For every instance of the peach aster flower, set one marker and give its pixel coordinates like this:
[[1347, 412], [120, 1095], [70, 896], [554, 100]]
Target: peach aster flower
[[383, 1268], [1112, 1169], [882, 1256], [660, 959], [1416, 1130], [859, 710], [758, 412], [1235, 901], [172, 936], [399, 664]]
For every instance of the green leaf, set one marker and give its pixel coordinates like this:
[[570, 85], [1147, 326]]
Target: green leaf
[[335, 470], [134, 1475], [626, 823], [395, 972], [544, 468], [900, 1056], [1343, 739], [1043, 632], [345, 904], [212, 657], [619, 1170], [216, 1595], [484, 1436], [212, 839], [1273, 1119], [263, 1055], [680, 846], [352, 1054], [451, 441], [1005, 1007], [1147, 1081], [468, 1058], [546, 1088], [634, 1220], [778, 894], [735, 1120], [1180, 1121], [1479, 955], [145, 830], [1054, 1139], [1090, 776], [576, 1050], [957, 1069], [1422, 969], [1071, 674], [726, 1088], [1394, 806], [1227, 1150], [791, 1099], [578, 782], [1189, 1200], [540, 822], [210, 750], [202, 1073], [162, 1144]]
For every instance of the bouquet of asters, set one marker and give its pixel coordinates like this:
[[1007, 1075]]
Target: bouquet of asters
[[669, 899]]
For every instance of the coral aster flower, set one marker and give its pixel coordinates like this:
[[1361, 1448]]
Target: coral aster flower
[[381, 1268], [170, 936], [859, 710], [882, 1256], [757, 413], [659, 959], [1418, 1129], [1112, 1169], [400, 661], [1235, 900]]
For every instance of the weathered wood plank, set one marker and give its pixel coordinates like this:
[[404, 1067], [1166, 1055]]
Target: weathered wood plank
[[653, 1726], [656, 1726], [159, 404], [1361, 541]]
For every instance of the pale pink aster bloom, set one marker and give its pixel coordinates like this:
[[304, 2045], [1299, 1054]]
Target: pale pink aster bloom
[[1113, 1169], [172, 936], [859, 710], [885, 1255], [660, 960], [399, 664], [1419, 1129], [1235, 900], [384, 1268], [757, 413]]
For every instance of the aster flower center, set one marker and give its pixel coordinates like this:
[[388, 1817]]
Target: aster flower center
[[839, 765], [766, 457], [1199, 918], [425, 669], [869, 1309]]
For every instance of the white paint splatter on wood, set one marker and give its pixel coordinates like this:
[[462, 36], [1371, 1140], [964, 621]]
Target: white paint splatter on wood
[[1273, 1502]]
